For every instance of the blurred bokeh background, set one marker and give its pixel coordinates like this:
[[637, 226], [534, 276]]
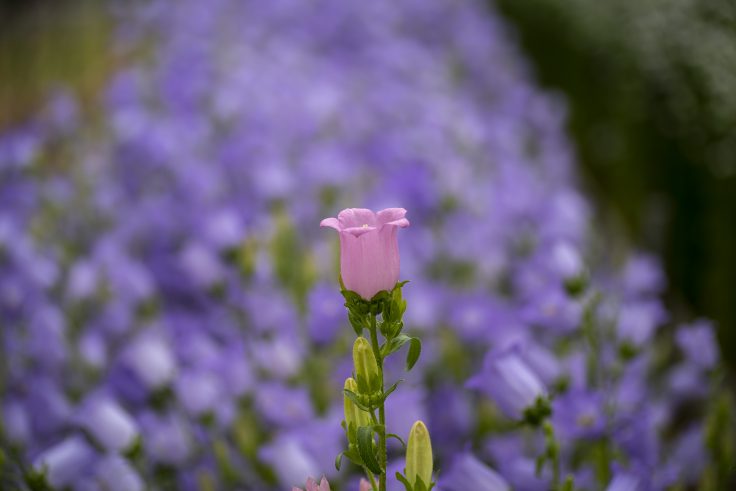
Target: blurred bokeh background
[[165, 165], [651, 87], [652, 91]]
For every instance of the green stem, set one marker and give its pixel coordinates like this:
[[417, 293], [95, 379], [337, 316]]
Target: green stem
[[372, 479], [553, 453], [381, 408]]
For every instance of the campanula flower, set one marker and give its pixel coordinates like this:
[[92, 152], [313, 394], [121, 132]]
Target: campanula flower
[[369, 248], [509, 380], [467, 472]]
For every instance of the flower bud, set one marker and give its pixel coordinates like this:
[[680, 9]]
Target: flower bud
[[354, 416], [419, 455], [366, 368]]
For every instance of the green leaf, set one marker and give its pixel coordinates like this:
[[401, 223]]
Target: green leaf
[[401, 284], [357, 322], [36, 479], [403, 480], [338, 460], [395, 344], [394, 435], [539, 465], [419, 485], [415, 349], [391, 389], [354, 397], [352, 456], [569, 484], [366, 449]]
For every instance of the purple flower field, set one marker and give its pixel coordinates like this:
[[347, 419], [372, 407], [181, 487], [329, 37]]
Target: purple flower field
[[170, 310]]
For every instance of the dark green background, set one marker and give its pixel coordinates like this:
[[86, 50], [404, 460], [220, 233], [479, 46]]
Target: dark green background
[[652, 93]]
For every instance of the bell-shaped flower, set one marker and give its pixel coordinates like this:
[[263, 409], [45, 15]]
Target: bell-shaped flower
[[108, 422], [467, 472], [509, 380], [369, 248], [66, 460]]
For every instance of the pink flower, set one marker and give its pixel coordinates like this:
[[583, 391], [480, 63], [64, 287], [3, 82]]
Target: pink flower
[[325, 486], [313, 486], [369, 249]]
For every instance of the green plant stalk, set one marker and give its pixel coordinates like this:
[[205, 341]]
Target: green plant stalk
[[371, 477], [553, 453], [381, 408]]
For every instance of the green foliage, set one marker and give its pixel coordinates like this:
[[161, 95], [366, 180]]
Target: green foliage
[[367, 449], [651, 87], [381, 314], [538, 413]]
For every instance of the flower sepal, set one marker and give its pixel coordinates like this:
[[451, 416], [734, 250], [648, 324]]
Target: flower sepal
[[370, 401], [418, 484], [351, 454], [537, 413], [393, 312]]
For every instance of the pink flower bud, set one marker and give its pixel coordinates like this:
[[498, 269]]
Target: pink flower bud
[[369, 249], [313, 486]]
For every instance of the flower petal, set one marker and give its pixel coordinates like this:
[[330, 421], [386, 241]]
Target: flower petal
[[356, 217], [331, 222], [393, 216], [358, 231]]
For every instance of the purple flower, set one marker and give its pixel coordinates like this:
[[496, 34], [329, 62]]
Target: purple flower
[[151, 359], [638, 320], [167, 438], [467, 472], [289, 459], [369, 249], [107, 422], [514, 459], [698, 343], [552, 307], [642, 275], [578, 414], [66, 461], [625, 482], [326, 313], [116, 474], [565, 260], [199, 391], [282, 405], [509, 380]]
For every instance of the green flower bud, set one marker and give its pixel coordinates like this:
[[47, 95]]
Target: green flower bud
[[419, 455], [366, 368], [354, 416]]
